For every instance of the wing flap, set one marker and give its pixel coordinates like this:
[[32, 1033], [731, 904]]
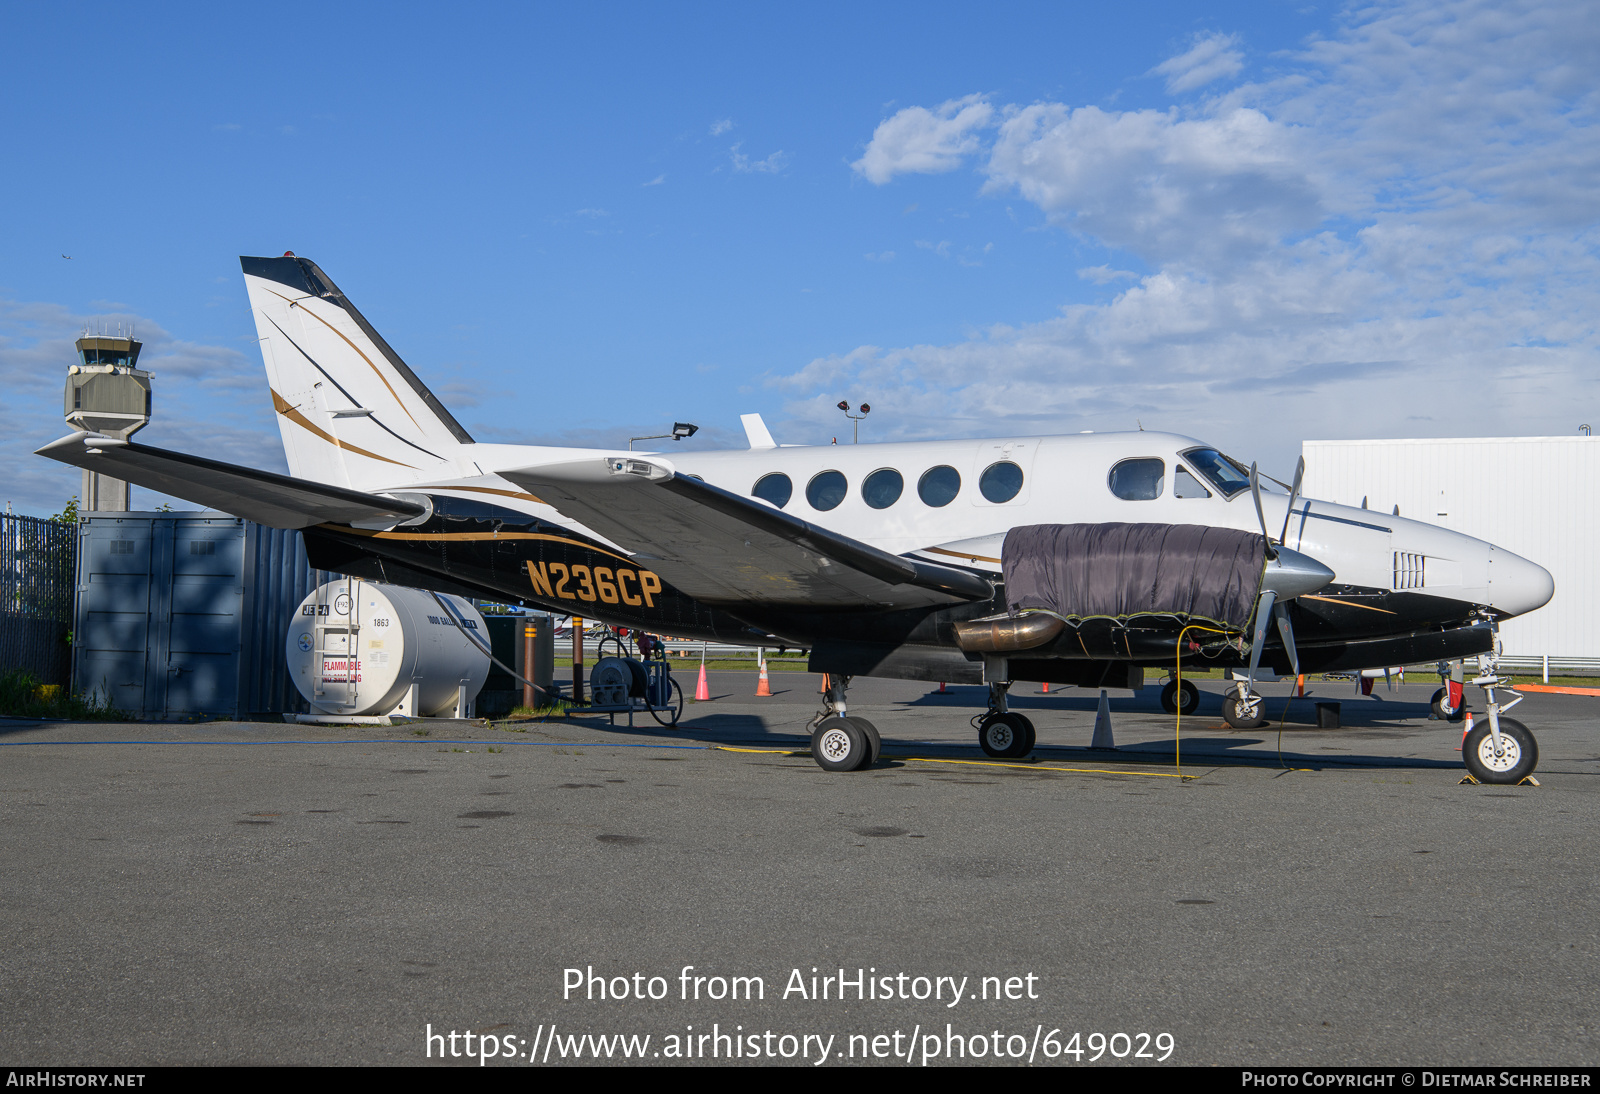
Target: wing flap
[[725, 548], [278, 501]]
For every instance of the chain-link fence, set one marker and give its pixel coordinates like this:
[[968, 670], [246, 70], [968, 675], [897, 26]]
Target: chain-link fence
[[38, 570]]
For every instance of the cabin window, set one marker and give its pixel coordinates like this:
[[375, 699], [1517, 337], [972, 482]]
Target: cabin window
[[1138, 480], [775, 488], [1223, 473], [939, 485], [882, 488], [1000, 482], [826, 491], [1185, 485]]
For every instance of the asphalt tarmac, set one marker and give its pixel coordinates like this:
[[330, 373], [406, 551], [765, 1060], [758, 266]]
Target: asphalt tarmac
[[265, 893]]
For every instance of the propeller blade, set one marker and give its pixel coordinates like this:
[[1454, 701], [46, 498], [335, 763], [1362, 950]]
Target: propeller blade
[[1263, 617], [1280, 612], [1255, 492], [1294, 496]]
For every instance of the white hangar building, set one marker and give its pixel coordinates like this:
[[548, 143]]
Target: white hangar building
[[1535, 496]]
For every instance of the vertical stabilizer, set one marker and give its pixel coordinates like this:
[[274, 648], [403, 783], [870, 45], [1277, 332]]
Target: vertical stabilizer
[[350, 411]]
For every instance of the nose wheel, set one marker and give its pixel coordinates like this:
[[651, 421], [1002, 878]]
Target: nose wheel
[[1244, 709], [1512, 762]]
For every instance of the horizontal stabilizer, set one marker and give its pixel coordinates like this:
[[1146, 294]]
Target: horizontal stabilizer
[[266, 498], [722, 547]]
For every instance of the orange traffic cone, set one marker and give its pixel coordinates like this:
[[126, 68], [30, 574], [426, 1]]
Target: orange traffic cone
[[1300, 686], [763, 688], [1464, 732], [1045, 690], [702, 692]]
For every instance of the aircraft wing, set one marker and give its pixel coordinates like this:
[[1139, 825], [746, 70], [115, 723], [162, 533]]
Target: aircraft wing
[[724, 548], [262, 496]]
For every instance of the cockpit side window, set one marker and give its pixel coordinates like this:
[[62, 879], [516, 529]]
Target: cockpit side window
[[1185, 485], [1138, 480], [1220, 471]]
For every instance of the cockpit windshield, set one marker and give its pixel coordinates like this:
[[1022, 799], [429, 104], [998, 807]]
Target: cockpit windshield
[[1221, 471]]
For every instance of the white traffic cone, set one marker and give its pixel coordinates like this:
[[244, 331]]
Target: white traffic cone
[[1102, 725], [1464, 732]]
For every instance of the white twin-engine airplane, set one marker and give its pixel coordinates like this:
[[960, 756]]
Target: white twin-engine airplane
[[1075, 559]]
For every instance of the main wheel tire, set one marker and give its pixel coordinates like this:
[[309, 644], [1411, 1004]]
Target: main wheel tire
[[1169, 697], [874, 742], [1439, 710], [668, 715], [1031, 734], [838, 744], [1243, 715], [1520, 756], [1005, 736]]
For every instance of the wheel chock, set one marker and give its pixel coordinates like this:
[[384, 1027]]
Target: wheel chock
[[1102, 725], [1526, 780]]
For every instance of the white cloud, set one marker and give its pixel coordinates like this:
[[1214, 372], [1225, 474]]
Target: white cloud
[[1166, 186], [1401, 227], [657, 181], [879, 256], [921, 141], [770, 166], [1102, 275], [1212, 57], [718, 128]]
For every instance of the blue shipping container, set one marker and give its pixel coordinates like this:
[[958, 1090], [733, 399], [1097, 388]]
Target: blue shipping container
[[180, 615]]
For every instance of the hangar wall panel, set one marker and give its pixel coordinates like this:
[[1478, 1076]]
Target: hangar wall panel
[[1535, 496]]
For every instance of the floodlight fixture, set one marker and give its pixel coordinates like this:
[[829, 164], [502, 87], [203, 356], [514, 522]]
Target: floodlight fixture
[[680, 430], [855, 419]]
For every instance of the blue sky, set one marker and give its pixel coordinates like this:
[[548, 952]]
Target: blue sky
[[1253, 222]]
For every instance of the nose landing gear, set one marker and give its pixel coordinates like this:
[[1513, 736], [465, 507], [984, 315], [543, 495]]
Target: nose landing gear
[[1244, 707], [1498, 750]]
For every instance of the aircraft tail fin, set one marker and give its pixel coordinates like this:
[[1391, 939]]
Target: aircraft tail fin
[[350, 411]]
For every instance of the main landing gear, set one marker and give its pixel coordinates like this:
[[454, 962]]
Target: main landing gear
[[1002, 733], [1170, 697], [841, 742]]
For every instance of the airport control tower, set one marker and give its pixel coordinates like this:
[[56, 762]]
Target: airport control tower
[[107, 394]]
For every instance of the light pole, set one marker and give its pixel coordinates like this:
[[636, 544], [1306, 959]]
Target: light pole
[[680, 430], [856, 418]]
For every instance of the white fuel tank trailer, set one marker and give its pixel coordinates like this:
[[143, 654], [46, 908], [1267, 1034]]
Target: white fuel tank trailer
[[362, 648]]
